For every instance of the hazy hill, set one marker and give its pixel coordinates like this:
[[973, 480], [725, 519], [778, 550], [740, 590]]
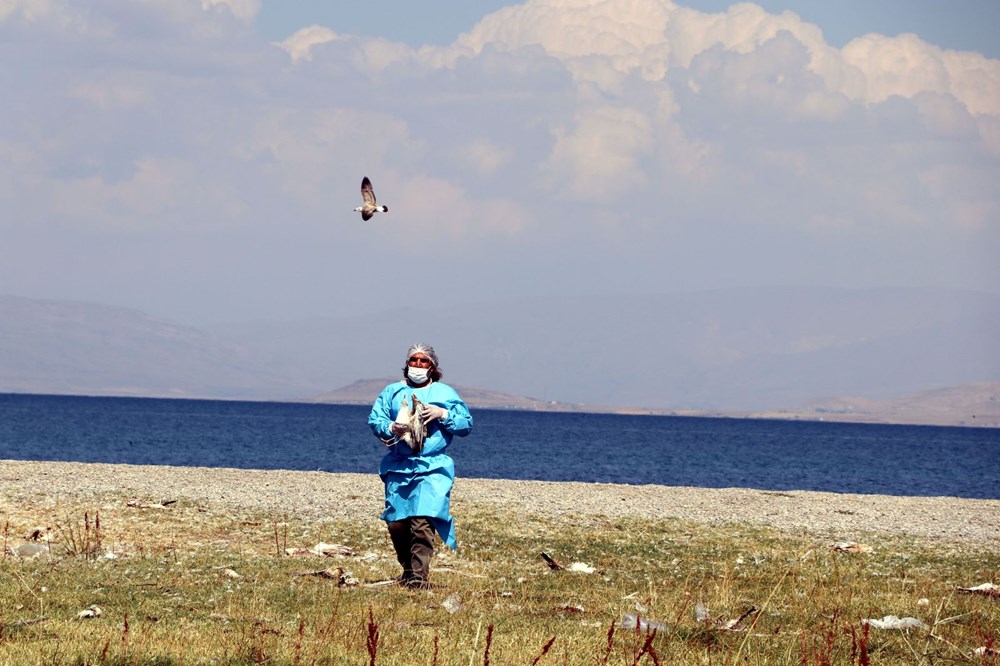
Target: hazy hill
[[89, 349], [364, 392], [970, 405], [736, 350]]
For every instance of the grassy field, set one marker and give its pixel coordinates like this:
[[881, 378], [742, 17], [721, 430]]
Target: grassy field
[[188, 584]]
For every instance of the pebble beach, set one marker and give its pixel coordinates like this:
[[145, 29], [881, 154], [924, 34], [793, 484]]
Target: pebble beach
[[971, 522]]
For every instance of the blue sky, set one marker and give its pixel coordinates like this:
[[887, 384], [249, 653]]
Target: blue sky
[[200, 159]]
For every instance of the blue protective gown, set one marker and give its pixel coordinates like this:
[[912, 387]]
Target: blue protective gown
[[420, 485]]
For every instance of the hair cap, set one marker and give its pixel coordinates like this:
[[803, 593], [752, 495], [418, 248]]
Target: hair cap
[[421, 348]]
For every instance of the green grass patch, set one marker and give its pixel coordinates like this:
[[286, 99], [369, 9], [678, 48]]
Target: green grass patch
[[190, 584]]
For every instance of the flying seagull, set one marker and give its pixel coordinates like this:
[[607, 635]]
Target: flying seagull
[[370, 207]]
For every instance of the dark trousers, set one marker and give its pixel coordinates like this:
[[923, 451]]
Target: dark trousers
[[413, 540]]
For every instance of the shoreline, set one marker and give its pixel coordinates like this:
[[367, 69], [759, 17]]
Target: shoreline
[[835, 516]]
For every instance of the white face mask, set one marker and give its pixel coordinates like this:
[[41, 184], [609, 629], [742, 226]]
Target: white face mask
[[417, 375]]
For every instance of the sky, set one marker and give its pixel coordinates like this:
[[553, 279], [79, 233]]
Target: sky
[[200, 160]]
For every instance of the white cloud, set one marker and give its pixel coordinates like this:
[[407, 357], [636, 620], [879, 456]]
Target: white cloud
[[652, 36], [598, 158], [906, 65], [768, 84], [989, 130], [34, 10], [375, 55], [967, 193], [975, 81], [484, 156], [110, 94], [437, 211], [554, 126], [303, 152], [370, 56], [574, 28], [302, 41], [241, 9], [742, 29], [944, 115], [146, 200]]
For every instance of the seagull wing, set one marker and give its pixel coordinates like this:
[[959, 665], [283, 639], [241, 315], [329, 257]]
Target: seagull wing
[[367, 192]]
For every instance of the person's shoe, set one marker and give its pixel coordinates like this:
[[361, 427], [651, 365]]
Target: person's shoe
[[417, 583]]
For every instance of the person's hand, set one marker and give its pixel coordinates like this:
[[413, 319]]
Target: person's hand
[[429, 413]]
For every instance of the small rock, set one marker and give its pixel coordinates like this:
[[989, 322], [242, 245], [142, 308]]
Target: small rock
[[893, 622], [452, 604], [91, 611], [632, 621], [31, 550]]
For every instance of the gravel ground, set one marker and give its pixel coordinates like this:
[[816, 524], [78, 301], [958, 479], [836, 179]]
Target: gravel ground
[[320, 494]]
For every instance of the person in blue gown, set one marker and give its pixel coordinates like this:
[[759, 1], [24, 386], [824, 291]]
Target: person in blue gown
[[418, 484]]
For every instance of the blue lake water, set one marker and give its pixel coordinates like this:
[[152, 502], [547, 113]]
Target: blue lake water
[[667, 450]]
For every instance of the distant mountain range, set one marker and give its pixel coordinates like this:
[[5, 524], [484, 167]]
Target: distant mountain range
[[364, 392], [971, 405], [763, 351], [67, 347]]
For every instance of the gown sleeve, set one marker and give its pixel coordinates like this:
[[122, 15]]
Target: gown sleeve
[[459, 421], [381, 417]]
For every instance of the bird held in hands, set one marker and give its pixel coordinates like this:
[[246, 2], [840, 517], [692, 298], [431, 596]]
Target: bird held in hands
[[416, 429], [370, 206]]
